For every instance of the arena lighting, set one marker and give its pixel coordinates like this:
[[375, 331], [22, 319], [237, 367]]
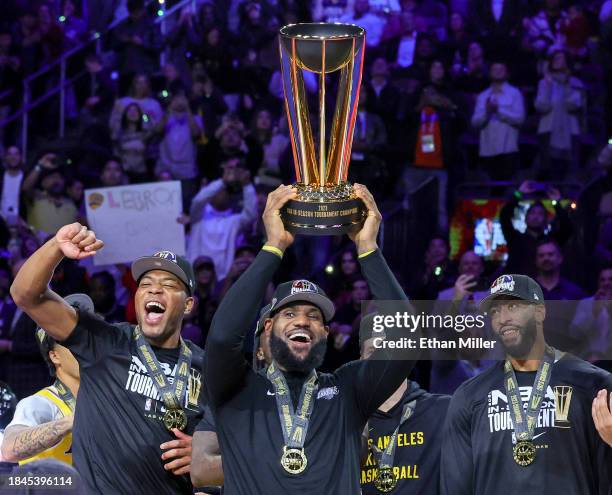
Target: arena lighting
[[160, 13], [573, 205], [438, 271], [62, 18], [554, 202], [114, 75], [165, 93], [161, 2], [329, 269]]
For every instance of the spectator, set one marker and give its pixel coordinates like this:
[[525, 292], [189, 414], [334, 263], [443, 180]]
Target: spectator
[[254, 32], [177, 151], [229, 141], [216, 61], [458, 39], [75, 28], [400, 50], [522, 245], [369, 140], [112, 174], [577, 31], [172, 83], [592, 323], [472, 76], [10, 76], [436, 272], [130, 142], [102, 290], [556, 287], [497, 20], [326, 11], [460, 299], [244, 255], [94, 93], [382, 96], [470, 286], [544, 30], [434, 15], [433, 144], [548, 264], [75, 190], [343, 340], [499, 114], [372, 23], [28, 39], [52, 35], [140, 93], [10, 185], [48, 206], [215, 227], [206, 288], [137, 41], [7, 315], [207, 103], [273, 142], [559, 99]]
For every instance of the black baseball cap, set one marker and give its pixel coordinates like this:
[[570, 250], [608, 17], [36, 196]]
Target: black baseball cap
[[166, 261], [264, 314], [202, 261], [46, 343], [513, 286], [302, 290]]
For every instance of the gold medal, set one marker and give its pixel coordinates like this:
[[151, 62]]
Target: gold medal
[[524, 453], [175, 418], [293, 460], [385, 480]]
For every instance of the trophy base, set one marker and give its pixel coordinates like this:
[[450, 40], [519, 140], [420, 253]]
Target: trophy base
[[327, 213]]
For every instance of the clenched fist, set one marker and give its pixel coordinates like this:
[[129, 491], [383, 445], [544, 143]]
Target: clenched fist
[[77, 242]]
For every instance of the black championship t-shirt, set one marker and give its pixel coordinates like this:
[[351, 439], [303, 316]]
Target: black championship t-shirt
[[118, 427], [249, 422], [571, 458], [416, 464]]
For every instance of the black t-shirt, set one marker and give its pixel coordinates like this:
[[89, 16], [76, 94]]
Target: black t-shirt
[[570, 458], [117, 426], [245, 409], [416, 464]]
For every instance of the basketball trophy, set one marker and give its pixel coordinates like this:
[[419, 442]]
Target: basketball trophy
[[326, 203]]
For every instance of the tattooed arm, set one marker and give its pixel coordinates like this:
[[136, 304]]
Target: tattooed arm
[[21, 442]]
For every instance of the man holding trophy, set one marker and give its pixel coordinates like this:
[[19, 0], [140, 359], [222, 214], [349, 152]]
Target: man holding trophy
[[303, 428]]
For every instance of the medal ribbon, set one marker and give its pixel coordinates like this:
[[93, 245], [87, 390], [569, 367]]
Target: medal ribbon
[[525, 422], [171, 394], [294, 425], [385, 457], [65, 394]]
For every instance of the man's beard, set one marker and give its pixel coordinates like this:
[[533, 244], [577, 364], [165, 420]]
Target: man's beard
[[282, 354], [528, 336]]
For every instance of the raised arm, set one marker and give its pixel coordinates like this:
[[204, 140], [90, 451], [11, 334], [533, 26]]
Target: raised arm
[[375, 379], [225, 363], [31, 291]]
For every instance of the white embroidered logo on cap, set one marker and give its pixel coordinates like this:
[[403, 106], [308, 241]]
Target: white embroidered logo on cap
[[505, 282], [535, 296], [167, 255], [299, 286]]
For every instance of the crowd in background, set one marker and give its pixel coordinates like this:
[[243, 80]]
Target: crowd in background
[[479, 91]]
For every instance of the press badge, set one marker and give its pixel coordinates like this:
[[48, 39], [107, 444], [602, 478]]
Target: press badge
[[428, 144]]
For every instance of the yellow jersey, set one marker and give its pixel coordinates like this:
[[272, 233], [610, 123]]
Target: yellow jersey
[[63, 450]]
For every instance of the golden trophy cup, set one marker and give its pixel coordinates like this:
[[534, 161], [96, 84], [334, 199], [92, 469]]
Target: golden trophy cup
[[326, 203]]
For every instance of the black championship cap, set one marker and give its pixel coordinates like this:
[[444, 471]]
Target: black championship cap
[[264, 314], [45, 342], [513, 286], [302, 290], [166, 261]]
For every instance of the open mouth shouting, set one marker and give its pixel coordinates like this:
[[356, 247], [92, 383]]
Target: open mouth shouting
[[154, 312], [300, 339]]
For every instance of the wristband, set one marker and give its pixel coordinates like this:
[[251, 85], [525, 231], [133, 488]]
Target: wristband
[[272, 249]]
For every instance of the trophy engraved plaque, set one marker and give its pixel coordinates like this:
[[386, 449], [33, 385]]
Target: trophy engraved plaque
[[326, 203]]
